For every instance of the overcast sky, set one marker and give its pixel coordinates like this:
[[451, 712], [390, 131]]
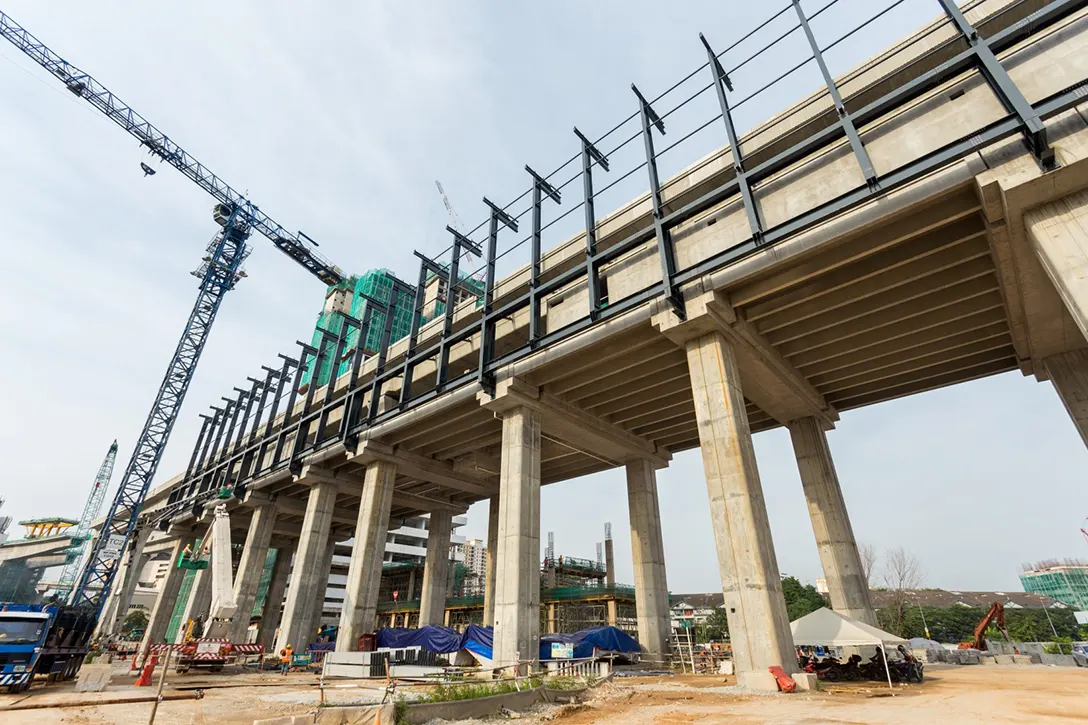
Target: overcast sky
[[336, 118]]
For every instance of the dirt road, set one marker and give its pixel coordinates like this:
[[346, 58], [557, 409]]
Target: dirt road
[[997, 694]]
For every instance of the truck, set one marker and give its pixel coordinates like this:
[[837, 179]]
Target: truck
[[42, 639]]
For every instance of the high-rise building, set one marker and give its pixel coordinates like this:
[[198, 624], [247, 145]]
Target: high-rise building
[[1065, 581], [474, 553]]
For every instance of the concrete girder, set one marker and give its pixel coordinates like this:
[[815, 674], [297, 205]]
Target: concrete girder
[[633, 381], [577, 428], [617, 371], [975, 275], [414, 465], [652, 412], [639, 402], [928, 381], [771, 382], [940, 306], [900, 261], [575, 373]]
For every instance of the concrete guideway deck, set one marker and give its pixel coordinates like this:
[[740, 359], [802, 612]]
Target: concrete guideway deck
[[963, 256]]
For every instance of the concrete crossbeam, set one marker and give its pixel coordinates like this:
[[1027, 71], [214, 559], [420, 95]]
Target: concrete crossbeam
[[295, 628], [422, 468], [368, 551], [648, 553], [843, 570], [574, 427], [436, 569], [1069, 374], [1059, 235], [517, 584]]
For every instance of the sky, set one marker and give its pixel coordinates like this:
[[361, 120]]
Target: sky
[[336, 119]]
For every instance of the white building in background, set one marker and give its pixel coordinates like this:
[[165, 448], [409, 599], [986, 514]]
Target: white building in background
[[474, 554], [406, 544]]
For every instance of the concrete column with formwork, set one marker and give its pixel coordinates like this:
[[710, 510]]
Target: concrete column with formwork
[[1069, 374], [295, 627], [436, 569], [163, 609], [843, 570], [250, 568], [492, 558], [117, 607], [273, 601], [759, 627], [1059, 235], [321, 584], [365, 569], [648, 554], [517, 579], [198, 603]]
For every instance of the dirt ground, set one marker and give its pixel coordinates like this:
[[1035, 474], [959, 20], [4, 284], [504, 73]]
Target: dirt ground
[[993, 694]]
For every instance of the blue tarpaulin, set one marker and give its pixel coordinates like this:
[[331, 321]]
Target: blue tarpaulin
[[586, 641], [480, 640]]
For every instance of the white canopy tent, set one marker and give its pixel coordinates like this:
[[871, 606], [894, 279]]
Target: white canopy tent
[[826, 627]]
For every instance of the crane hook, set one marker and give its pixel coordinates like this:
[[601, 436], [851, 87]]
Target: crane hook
[[148, 171]]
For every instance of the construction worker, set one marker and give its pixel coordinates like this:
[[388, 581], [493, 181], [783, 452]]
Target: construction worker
[[285, 659]]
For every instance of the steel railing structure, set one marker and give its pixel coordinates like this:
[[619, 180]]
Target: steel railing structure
[[225, 455]]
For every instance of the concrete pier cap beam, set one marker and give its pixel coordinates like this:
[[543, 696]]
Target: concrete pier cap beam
[[751, 583]]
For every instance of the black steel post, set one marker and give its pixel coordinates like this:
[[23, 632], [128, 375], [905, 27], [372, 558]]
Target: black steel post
[[270, 375], [487, 325], [281, 439], [590, 153], [334, 371], [216, 450], [1003, 87], [721, 82], [453, 279], [540, 187], [844, 116], [199, 441], [284, 379], [383, 347], [302, 427], [665, 250], [242, 395], [355, 404], [426, 266]]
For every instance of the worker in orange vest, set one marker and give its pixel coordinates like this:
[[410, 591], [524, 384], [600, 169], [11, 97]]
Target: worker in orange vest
[[285, 659]]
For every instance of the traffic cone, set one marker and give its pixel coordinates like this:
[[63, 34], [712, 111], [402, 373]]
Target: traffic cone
[[144, 680]]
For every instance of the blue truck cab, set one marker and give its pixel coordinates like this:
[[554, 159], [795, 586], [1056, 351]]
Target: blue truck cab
[[41, 639]]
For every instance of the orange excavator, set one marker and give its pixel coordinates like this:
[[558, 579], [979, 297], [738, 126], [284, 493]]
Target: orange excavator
[[994, 615]]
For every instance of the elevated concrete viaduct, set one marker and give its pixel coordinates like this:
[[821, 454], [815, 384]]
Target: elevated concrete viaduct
[[924, 223]]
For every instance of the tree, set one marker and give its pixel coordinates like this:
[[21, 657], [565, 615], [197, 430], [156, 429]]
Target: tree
[[902, 572], [867, 552], [135, 619], [800, 598], [717, 625]]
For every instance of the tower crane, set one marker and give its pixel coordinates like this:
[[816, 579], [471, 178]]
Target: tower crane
[[237, 218], [90, 513]]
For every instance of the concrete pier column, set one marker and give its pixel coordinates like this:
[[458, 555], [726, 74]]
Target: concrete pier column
[[1059, 234], [648, 553], [250, 568], [198, 604], [436, 569], [124, 586], [411, 586], [273, 601], [758, 625], [313, 539], [1069, 374], [838, 549], [517, 582], [163, 609], [321, 585], [492, 558], [365, 569]]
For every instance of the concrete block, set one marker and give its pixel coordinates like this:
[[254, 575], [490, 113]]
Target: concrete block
[[362, 715], [806, 681], [287, 720], [93, 678], [1021, 659], [763, 681], [987, 660], [1059, 660], [1003, 659]]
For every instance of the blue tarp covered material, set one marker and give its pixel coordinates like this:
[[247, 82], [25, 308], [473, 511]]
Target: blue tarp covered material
[[585, 641], [480, 640]]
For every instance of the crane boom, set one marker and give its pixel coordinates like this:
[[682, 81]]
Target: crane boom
[[90, 513], [158, 144]]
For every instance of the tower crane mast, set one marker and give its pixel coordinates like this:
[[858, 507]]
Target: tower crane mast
[[90, 512], [238, 217]]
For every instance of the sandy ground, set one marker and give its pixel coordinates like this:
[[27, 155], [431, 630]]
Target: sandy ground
[[994, 694]]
